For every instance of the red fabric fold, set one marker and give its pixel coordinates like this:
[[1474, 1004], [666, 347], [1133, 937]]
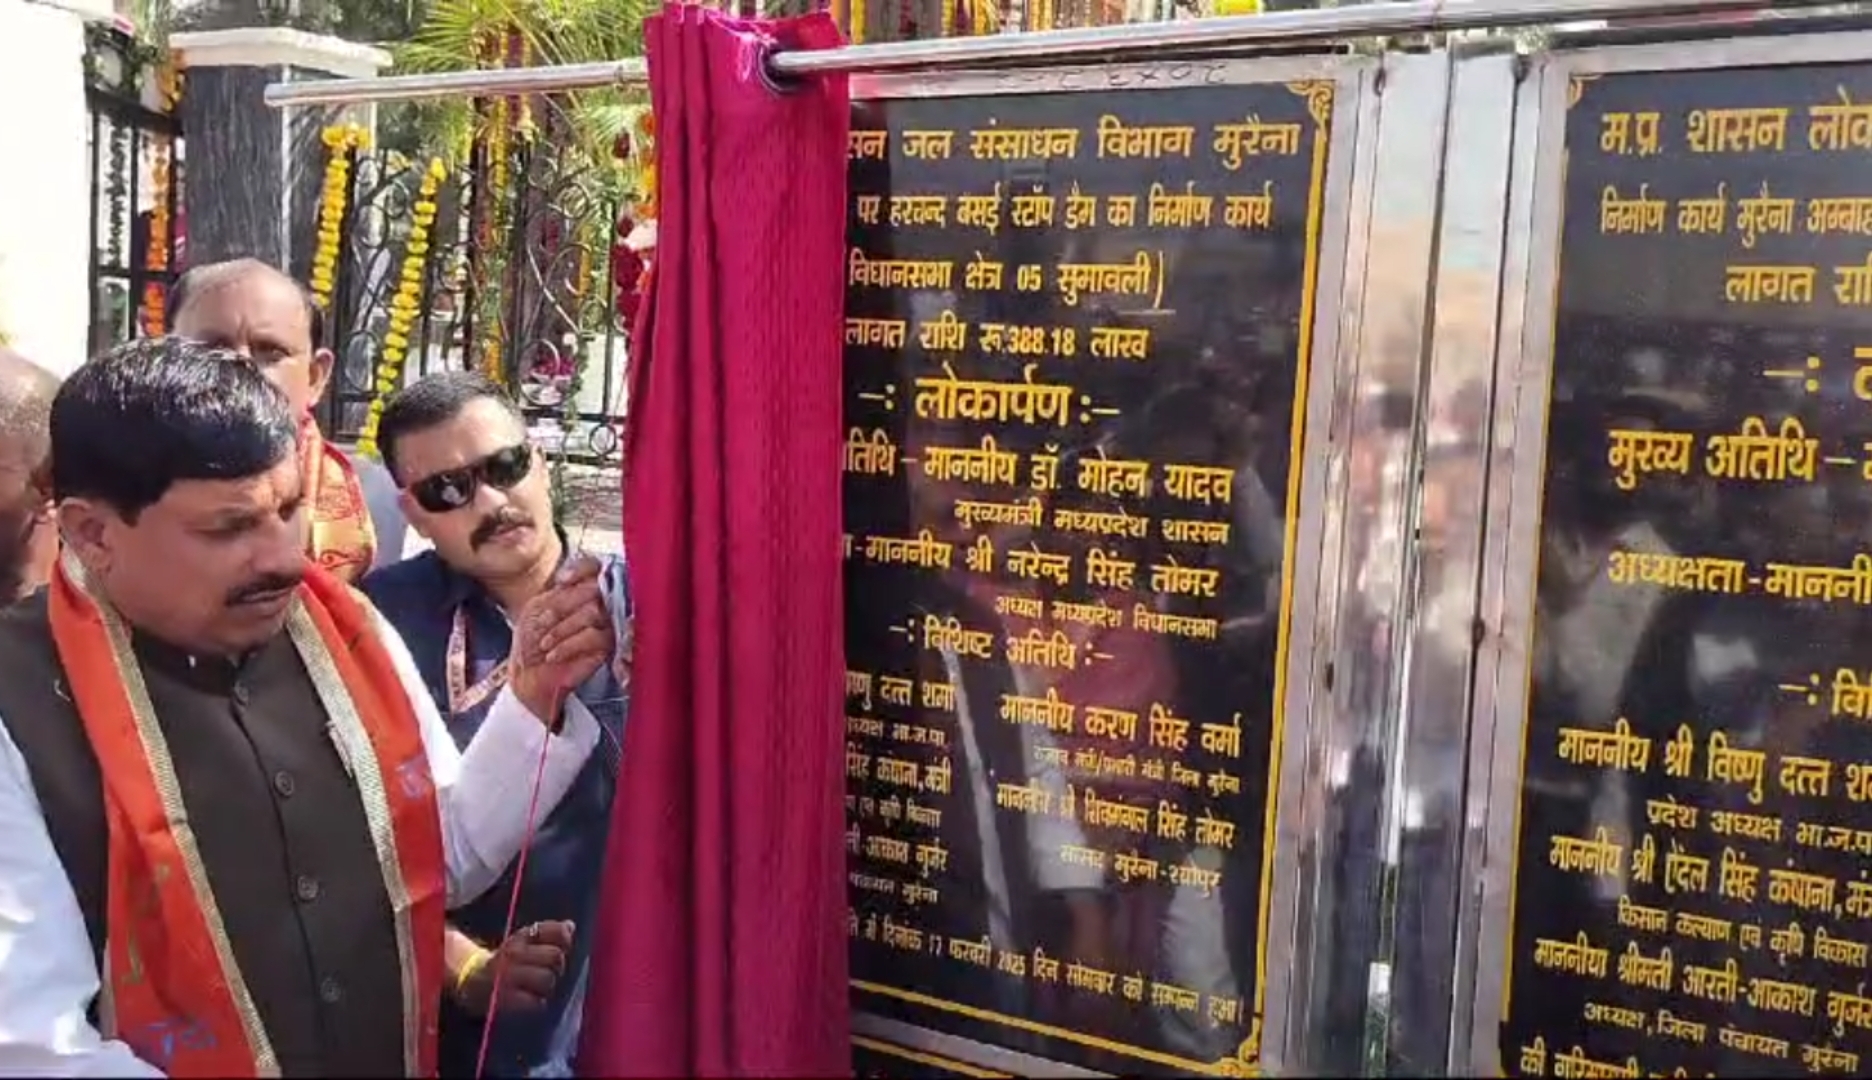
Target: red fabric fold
[[721, 947]]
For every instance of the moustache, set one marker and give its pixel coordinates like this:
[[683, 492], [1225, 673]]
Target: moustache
[[495, 523], [264, 588]]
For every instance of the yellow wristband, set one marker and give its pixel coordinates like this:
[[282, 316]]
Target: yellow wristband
[[470, 968]]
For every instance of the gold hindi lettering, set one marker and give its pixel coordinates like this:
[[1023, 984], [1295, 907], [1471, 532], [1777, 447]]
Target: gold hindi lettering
[[1850, 215], [1173, 578], [876, 333], [945, 333], [923, 550], [1576, 957], [980, 212], [1037, 648], [1236, 143], [1841, 125], [1037, 565], [1616, 749], [1168, 209], [1121, 342], [1138, 277], [996, 143], [918, 210], [1704, 215], [1755, 454], [1636, 453], [1764, 214], [870, 453], [1737, 131], [1639, 215], [1752, 284], [1250, 212], [928, 145], [946, 397], [897, 273], [1118, 140], [1598, 856]]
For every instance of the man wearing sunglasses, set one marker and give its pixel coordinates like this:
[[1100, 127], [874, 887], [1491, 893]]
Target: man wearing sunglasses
[[478, 490], [272, 321]]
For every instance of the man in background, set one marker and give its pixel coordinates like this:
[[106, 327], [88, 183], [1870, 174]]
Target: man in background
[[250, 308], [478, 490], [28, 541]]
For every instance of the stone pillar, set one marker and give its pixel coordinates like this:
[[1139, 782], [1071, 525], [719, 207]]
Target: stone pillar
[[45, 206], [254, 172]]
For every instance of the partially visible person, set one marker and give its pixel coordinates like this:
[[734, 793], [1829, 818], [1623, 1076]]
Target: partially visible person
[[232, 816], [28, 540], [478, 490], [273, 321]]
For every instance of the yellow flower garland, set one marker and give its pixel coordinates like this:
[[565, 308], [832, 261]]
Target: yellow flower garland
[[406, 305], [498, 148], [342, 142]]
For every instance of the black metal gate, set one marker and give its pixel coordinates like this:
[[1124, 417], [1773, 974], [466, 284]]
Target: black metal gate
[[136, 167]]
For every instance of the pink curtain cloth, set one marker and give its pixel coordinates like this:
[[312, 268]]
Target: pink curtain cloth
[[721, 947]]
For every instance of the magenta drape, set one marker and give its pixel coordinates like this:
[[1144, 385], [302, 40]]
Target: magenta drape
[[720, 944]]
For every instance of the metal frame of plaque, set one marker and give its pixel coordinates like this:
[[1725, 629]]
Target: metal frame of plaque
[[1518, 446], [1333, 388]]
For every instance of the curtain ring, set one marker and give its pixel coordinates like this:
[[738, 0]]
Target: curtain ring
[[772, 79]]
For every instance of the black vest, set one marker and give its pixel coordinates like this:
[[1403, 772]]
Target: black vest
[[277, 819]]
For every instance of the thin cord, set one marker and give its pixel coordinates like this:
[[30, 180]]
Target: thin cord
[[513, 907], [526, 847]]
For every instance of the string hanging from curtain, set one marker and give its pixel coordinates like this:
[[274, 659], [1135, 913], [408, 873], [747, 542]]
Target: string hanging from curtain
[[721, 947]]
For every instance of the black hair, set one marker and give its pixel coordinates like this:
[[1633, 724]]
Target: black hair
[[431, 400], [159, 411], [190, 282]]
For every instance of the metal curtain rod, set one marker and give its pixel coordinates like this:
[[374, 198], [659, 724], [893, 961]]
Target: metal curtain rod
[[1127, 42]]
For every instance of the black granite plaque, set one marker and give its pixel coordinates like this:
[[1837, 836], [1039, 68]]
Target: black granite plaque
[[874, 1059], [1695, 834], [1076, 341]]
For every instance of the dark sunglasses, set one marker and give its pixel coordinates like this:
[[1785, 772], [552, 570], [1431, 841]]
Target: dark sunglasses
[[456, 488]]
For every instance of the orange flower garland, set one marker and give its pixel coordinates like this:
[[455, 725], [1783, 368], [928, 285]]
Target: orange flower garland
[[156, 252], [162, 178]]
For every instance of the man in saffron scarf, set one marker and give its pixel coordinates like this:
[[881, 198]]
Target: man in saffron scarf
[[232, 815], [272, 321]]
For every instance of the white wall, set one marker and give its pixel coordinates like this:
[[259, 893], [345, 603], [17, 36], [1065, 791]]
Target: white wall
[[45, 179]]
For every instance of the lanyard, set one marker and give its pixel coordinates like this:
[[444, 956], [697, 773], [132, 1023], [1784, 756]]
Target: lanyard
[[463, 697]]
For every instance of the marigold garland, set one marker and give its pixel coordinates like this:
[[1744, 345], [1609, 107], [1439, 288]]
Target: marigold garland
[[156, 258], [406, 305], [156, 254], [646, 129], [498, 149], [343, 142]]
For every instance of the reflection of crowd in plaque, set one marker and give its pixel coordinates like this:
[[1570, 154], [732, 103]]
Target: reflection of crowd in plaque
[[1218, 393], [1667, 660]]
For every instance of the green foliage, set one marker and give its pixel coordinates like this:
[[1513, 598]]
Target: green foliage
[[461, 35]]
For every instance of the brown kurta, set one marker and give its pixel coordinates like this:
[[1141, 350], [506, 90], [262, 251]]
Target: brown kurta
[[278, 821]]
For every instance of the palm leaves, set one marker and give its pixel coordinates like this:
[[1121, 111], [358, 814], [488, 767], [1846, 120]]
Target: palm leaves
[[460, 35]]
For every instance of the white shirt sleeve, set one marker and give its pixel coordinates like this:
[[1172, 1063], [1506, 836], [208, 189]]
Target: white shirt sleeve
[[485, 791], [48, 975]]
